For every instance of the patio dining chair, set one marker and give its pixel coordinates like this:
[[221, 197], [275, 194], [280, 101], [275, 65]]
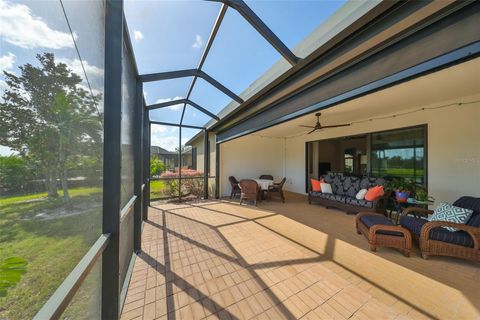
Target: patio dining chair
[[235, 186], [276, 188], [250, 190], [266, 177]]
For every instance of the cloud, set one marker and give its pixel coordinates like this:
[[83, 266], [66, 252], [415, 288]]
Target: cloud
[[198, 42], [21, 28], [175, 106], [164, 137], [76, 66], [6, 62], [137, 35]]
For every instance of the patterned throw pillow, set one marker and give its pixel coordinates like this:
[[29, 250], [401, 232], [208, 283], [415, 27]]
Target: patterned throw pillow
[[447, 212]]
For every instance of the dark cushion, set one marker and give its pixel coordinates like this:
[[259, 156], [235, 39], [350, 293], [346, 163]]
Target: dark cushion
[[351, 186], [472, 204], [415, 225], [361, 203], [369, 182], [328, 196], [374, 219], [337, 185]]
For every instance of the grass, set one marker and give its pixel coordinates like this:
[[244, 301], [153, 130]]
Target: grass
[[157, 189], [52, 247], [399, 172]]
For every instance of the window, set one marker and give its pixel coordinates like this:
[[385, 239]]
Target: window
[[399, 154]]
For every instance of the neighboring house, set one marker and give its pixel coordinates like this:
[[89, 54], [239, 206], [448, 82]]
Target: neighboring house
[[170, 158], [197, 145]]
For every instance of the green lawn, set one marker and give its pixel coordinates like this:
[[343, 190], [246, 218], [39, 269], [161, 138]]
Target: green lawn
[[398, 172], [157, 188], [52, 247]]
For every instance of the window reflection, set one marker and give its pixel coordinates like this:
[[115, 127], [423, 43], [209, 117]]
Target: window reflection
[[399, 154]]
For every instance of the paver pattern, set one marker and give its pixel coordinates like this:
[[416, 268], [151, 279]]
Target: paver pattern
[[219, 260]]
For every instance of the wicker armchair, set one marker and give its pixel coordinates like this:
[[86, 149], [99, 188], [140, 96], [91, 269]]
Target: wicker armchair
[[266, 177], [235, 186], [435, 240], [276, 188], [250, 190]]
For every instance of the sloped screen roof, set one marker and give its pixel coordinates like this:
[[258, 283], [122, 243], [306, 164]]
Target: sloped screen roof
[[239, 48]]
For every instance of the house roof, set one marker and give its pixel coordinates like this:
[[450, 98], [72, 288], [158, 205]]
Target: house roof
[[160, 150]]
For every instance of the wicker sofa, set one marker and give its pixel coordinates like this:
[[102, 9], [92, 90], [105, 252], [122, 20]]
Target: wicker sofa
[[435, 240], [344, 190]]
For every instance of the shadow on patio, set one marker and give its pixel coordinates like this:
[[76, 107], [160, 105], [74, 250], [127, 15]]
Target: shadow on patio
[[217, 259]]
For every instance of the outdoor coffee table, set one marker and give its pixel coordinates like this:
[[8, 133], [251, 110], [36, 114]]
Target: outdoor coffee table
[[380, 231], [400, 206]]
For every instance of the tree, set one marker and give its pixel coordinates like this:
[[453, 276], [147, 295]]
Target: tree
[[47, 115], [156, 166]]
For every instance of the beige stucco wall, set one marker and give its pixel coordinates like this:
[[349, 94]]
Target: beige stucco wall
[[453, 148], [249, 157], [199, 144]]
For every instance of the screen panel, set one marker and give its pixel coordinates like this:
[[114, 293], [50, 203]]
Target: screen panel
[[51, 157]]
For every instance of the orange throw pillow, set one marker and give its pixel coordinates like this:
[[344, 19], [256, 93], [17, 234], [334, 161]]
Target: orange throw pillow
[[374, 193], [315, 185]]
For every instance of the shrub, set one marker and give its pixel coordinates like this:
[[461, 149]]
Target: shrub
[[156, 167], [192, 182], [14, 173]]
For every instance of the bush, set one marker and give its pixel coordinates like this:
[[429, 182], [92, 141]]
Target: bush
[[14, 173], [193, 184], [156, 167]]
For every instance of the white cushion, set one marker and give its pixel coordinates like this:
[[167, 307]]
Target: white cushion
[[361, 194], [326, 188]]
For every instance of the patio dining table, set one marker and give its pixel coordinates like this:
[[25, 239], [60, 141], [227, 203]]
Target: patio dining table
[[264, 183]]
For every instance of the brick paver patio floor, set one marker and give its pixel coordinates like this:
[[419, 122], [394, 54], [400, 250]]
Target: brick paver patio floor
[[221, 260]]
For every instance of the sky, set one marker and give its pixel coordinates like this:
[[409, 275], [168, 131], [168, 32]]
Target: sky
[[166, 36]]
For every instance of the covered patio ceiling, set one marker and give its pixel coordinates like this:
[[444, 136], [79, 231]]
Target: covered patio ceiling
[[444, 85]]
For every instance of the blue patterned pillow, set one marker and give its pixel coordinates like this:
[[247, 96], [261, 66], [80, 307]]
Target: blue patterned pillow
[[447, 212]]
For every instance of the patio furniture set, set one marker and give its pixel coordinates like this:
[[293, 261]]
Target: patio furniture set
[[435, 237], [256, 189]]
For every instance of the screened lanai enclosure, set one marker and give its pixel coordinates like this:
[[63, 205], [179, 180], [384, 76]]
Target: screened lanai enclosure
[[99, 119]]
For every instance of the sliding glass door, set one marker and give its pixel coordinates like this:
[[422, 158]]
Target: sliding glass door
[[399, 154]]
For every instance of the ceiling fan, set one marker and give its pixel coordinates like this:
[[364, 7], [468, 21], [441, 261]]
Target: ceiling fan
[[318, 126]]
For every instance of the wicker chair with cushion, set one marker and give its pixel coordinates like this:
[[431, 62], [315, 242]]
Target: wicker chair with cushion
[[266, 177], [235, 186], [276, 188], [250, 190], [436, 240]]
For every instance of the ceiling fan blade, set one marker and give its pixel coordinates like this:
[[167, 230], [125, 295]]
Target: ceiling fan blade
[[306, 126], [336, 125], [312, 131]]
